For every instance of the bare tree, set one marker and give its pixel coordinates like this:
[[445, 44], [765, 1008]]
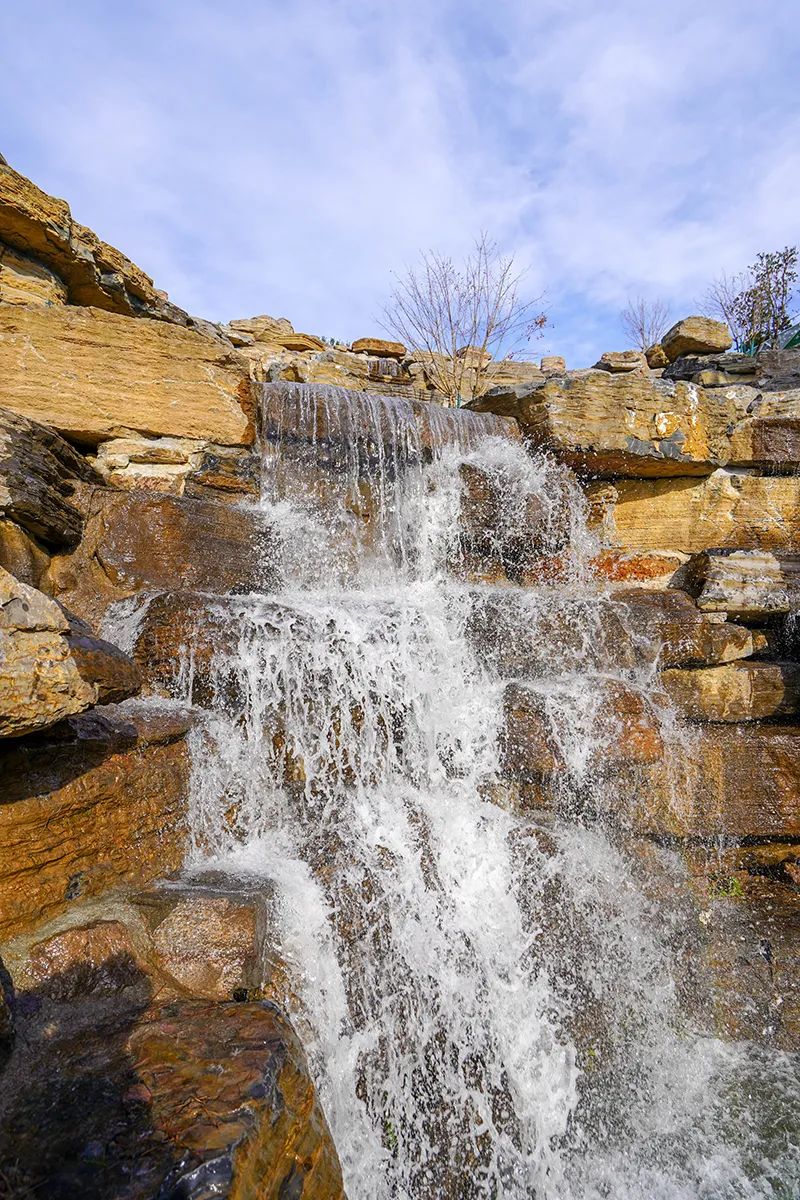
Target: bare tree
[[456, 318], [756, 304], [645, 321]]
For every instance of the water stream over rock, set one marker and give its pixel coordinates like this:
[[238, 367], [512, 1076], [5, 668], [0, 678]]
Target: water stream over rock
[[483, 971]]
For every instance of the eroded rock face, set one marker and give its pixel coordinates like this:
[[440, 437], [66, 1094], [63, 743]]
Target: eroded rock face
[[696, 335], [135, 541], [726, 509], [94, 375], [768, 372], [620, 424], [108, 792], [23, 280]]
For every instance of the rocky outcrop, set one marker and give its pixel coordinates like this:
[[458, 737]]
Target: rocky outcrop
[[96, 802], [61, 261], [94, 375], [618, 424]]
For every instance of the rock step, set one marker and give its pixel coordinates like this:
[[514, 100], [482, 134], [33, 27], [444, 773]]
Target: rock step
[[97, 801], [750, 585]]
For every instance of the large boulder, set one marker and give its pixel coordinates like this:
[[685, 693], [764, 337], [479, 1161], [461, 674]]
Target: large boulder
[[136, 541], [99, 801], [51, 669], [611, 424], [727, 509], [378, 347], [696, 335], [766, 373], [94, 375]]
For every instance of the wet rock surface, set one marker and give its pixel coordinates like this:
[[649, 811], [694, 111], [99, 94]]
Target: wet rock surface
[[113, 1093], [97, 801]]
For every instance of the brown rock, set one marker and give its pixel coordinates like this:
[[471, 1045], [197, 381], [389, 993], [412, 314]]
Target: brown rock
[[655, 357], [178, 1098], [739, 691], [212, 945], [21, 555], [103, 665], [766, 442], [620, 424], [656, 568], [379, 347], [474, 356], [696, 335], [39, 472], [98, 957], [25, 281], [626, 727], [688, 515], [751, 585], [137, 542], [553, 364], [41, 227], [619, 362], [725, 780], [629, 628], [98, 375], [98, 802], [769, 372]]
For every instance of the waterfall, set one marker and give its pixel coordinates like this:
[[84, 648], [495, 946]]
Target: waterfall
[[485, 987]]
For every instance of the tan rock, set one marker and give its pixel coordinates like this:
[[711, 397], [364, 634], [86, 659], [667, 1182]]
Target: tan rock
[[94, 958], [651, 569], [618, 362], [41, 227], [85, 811], [379, 347], [263, 328], [687, 515], [553, 364], [655, 357], [474, 356], [747, 584], [620, 424], [40, 683], [212, 945], [738, 691], [94, 375], [137, 542], [39, 472], [25, 281], [300, 341], [696, 335]]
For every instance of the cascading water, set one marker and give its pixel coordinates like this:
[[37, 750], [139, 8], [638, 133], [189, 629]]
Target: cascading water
[[487, 998]]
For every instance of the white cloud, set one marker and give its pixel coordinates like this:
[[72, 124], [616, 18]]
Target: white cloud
[[285, 158]]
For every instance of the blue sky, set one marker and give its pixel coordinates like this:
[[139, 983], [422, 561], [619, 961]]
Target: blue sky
[[287, 157]]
